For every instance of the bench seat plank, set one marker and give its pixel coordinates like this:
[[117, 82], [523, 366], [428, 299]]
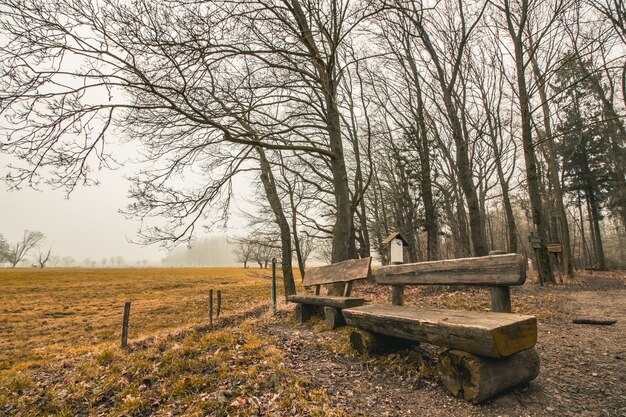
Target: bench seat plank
[[327, 300], [483, 333]]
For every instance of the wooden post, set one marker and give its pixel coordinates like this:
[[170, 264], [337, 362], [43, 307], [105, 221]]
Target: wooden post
[[125, 320], [211, 308], [500, 296], [274, 286], [397, 295], [219, 303], [333, 318]]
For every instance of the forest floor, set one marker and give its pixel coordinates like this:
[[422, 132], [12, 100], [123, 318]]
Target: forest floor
[[256, 364]]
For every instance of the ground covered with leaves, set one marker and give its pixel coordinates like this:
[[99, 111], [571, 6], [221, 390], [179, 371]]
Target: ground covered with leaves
[[257, 364]]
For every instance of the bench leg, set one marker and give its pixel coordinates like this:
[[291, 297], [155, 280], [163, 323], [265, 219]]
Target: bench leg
[[477, 378], [303, 312], [333, 317], [366, 342]]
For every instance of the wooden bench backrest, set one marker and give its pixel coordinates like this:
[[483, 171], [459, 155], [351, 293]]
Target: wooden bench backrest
[[492, 270], [346, 271]]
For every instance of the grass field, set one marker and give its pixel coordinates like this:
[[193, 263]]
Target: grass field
[[51, 313]]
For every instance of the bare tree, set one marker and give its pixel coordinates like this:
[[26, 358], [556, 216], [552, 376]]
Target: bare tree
[[517, 15], [20, 250], [243, 251], [43, 258], [180, 80], [447, 51]]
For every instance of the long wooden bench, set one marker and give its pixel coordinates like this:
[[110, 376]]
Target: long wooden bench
[[345, 272], [488, 351]]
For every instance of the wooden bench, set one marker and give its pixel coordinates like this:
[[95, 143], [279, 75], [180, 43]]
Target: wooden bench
[[345, 272], [488, 351]]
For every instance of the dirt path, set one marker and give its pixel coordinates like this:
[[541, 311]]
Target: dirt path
[[583, 367]]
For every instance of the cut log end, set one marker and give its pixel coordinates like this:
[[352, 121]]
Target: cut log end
[[478, 378], [369, 343]]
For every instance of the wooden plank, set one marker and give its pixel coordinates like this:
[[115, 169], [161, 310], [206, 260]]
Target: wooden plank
[[350, 270], [601, 322], [326, 300], [554, 247], [483, 333], [494, 270]]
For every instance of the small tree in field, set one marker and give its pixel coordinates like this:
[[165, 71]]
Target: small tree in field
[[43, 258], [21, 249], [243, 251]]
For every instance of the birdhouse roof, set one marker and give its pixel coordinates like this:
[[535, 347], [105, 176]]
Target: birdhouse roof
[[395, 235]]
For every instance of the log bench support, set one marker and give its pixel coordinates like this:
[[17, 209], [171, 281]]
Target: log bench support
[[342, 272], [478, 378], [370, 343], [488, 352]]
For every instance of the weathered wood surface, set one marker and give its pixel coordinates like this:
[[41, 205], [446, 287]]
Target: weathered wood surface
[[500, 299], [333, 318], [508, 269], [327, 300], [350, 270], [125, 320], [478, 378], [397, 295], [484, 333], [370, 343]]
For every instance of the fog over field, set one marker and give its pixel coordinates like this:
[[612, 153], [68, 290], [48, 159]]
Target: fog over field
[[88, 224]]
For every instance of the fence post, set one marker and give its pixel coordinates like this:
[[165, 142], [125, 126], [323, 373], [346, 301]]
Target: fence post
[[211, 308], [219, 304], [274, 286], [125, 320]]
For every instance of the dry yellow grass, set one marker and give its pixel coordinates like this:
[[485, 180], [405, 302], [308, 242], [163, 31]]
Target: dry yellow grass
[[50, 313]]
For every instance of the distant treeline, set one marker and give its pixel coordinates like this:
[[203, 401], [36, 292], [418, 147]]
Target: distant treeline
[[205, 251]]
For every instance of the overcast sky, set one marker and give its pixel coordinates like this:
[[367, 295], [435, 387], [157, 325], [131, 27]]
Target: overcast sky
[[88, 224]]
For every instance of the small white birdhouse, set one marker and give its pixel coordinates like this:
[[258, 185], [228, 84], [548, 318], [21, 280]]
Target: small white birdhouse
[[396, 248]]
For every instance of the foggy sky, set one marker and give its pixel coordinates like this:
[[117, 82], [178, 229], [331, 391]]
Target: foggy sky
[[88, 224]]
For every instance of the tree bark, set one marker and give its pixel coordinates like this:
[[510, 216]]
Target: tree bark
[[269, 184], [530, 158], [430, 212], [343, 245], [553, 171]]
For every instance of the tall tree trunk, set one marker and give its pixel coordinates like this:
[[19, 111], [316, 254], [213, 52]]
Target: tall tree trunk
[[532, 177], [553, 172], [466, 179], [269, 184], [343, 245], [594, 223], [430, 212], [586, 253]]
